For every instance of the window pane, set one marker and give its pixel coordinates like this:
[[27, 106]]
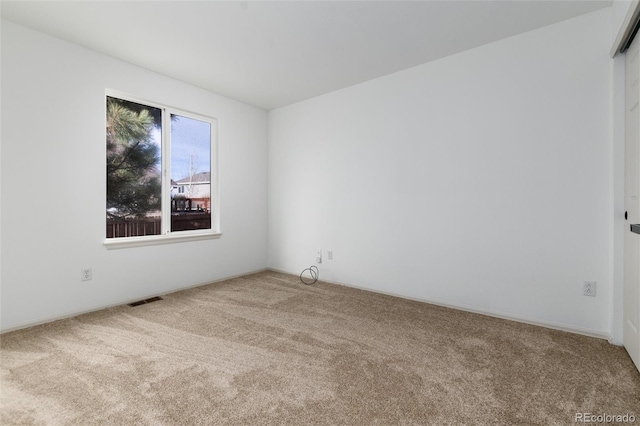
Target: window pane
[[190, 174], [134, 182]]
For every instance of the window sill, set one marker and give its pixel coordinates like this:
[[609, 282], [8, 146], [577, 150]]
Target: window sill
[[154, 240]]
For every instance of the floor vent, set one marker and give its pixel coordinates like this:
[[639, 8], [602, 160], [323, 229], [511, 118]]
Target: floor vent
[[142, 302]]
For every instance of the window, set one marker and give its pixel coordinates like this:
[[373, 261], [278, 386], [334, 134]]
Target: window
[[160, 184]]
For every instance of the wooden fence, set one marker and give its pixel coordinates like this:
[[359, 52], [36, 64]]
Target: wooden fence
[[117, 228]]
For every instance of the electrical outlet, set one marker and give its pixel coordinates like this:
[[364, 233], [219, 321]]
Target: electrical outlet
[[589, 288], [86, 274], [330, 254], [319, 256]]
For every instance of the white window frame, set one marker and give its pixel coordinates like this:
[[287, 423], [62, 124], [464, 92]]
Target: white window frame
[[166, 236]]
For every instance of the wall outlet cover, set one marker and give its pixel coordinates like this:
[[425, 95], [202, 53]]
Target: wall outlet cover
[[589, 288], [86, 274]]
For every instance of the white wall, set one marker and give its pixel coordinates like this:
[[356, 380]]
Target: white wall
[[0, 174], [481, 180], [53, 184]]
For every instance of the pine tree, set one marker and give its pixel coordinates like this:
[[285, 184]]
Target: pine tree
[[133, 160]]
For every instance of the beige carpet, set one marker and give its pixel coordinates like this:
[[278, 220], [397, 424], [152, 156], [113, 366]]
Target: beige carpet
[[265, 349]]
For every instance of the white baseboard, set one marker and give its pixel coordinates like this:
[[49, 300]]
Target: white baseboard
[[496, 314], [72, 314], [491, 313]]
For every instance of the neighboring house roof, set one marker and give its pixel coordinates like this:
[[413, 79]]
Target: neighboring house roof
[[202, 177]]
